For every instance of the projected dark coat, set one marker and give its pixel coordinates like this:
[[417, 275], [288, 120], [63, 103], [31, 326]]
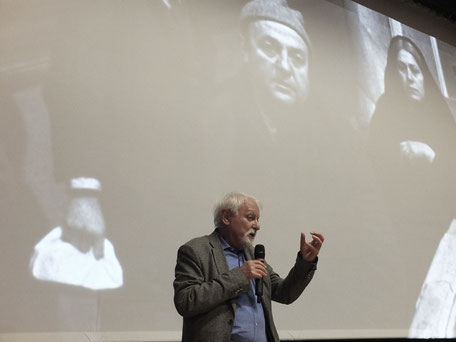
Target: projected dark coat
[[205, 290]]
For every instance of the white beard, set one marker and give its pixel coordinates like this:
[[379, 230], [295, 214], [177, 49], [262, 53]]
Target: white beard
[[247, 240]]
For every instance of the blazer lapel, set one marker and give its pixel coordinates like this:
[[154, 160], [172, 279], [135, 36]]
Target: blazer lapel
[[217, 253], [248, 252], [219, 258]]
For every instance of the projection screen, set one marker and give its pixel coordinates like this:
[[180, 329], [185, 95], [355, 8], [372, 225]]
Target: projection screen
[[124, 121]]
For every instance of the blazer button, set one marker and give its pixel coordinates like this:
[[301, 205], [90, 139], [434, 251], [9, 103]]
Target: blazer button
[[230, 321]]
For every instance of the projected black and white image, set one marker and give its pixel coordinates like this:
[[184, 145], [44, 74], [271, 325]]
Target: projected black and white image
[[264, 96], [276, 50], [78, 253], [435, 309], [412, 126], [412, 134], [123, 121]]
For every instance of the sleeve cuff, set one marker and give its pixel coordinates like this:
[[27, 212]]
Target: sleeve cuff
[[311, 264]]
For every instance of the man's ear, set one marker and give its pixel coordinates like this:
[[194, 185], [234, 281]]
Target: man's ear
[[226, 217]]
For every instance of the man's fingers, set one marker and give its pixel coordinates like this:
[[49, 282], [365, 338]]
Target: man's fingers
[[316, 242], [318, 235], [254, 269], [263, 272], [260, 268], [303, 238], [309, 250]]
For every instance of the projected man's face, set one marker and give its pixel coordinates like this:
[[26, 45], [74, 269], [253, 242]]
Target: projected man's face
[[410, 75], [278, 59], [242, 227]]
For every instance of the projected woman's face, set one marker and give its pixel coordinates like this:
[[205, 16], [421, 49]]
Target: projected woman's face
[[410, 75], [278, 59]]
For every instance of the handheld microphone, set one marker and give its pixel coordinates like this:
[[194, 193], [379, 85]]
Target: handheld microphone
[[259, 255]]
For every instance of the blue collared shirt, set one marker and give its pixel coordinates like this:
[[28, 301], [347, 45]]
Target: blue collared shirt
[[249, 322]]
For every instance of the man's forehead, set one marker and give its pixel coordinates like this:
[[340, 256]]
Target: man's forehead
[[250, 204], [280, 32]]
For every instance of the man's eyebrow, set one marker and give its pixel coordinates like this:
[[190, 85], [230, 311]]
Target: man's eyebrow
[[297, 49], [267, 35]]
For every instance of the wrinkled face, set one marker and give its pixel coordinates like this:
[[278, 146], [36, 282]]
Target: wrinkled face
[[278, 60], [242, 228], [410, 74]]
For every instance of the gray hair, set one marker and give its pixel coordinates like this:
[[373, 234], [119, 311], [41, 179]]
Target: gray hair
[[231, 201]]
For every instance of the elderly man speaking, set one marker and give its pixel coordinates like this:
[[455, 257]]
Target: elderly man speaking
[[214, 286]]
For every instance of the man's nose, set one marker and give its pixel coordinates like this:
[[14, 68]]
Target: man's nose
[[284, 61], [256, 225], [409, 74]]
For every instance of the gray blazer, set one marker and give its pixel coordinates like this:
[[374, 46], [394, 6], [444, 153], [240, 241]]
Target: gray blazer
[[205, 290]]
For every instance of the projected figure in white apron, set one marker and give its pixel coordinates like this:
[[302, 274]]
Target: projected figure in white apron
[[110, 122], [435, 315], [78, 253]]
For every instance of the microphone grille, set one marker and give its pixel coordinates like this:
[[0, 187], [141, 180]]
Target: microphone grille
[[259, 252]]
